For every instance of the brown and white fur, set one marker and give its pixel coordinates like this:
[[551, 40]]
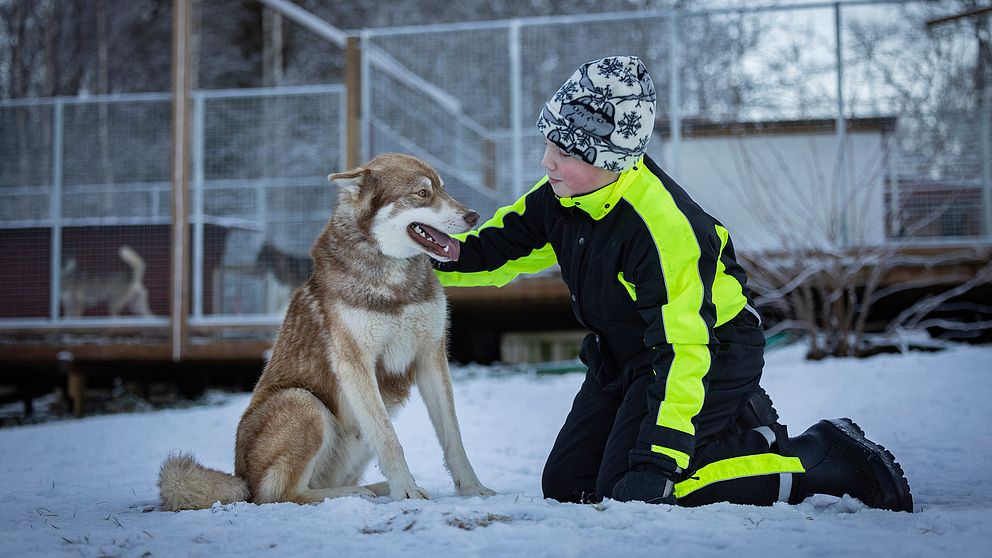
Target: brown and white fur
[[368, 324], [82, 290]]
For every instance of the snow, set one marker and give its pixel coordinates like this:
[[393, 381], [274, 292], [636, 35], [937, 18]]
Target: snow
[[81, 488]]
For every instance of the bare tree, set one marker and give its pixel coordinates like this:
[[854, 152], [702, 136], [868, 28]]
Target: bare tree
[[827, 289]]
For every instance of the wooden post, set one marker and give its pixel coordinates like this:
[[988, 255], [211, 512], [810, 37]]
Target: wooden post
[[489, 162], [180, 174], [77, 391], [353, 91], [75, 382]]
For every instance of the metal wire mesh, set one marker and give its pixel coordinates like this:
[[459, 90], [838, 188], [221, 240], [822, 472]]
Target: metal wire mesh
[[755, 98], [85, 202], [448, 123], [265, 194], [747, 110], [922, 75]]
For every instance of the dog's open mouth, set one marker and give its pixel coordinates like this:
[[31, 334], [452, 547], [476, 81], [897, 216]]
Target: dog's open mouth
[[436, 242]]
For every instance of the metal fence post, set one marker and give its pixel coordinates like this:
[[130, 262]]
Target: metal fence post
[[841, 134], [986, 134], [674, 99], [516, 110], [986, 156], [198, 185], [365, 118], [353, 78], [895, 196], [342, 160], [55, 206]]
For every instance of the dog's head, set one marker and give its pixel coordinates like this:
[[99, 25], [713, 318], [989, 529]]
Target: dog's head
[[69, 266], [399, 203]]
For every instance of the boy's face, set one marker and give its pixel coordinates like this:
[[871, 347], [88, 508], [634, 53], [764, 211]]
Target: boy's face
[[570, 176]]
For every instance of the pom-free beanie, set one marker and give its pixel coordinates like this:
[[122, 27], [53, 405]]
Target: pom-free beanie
[[603, 114]]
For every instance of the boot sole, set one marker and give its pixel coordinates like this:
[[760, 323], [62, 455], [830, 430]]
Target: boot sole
[[898, 477], [763, 408]]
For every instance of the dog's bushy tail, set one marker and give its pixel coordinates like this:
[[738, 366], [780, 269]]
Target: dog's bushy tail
[[184, 484], [134, 260]]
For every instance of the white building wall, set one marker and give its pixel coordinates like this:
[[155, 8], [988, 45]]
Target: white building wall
[[782, 191]]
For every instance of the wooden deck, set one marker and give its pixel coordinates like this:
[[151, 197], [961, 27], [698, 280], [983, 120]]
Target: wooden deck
[[479, 318]]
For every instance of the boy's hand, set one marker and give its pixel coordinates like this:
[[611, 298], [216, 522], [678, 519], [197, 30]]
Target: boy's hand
[[647, 481]]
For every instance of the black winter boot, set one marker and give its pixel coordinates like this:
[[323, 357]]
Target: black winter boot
[[839, 460]]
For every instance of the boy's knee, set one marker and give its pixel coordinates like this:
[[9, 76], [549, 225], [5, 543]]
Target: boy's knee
[[562, 487], [552, 485], [604, 487]]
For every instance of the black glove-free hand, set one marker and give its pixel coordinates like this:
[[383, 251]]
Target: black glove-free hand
[[649, 480]]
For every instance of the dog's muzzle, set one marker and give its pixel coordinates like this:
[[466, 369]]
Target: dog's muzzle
[[439, 245]]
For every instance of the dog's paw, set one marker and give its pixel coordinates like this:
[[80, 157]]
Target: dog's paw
[[475, 490], [364, 492], [412, 492]]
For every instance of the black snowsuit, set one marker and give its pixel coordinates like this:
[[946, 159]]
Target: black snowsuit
[[675, 351]]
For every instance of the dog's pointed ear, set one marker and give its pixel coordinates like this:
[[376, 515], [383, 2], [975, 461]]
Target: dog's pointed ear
[[350, 181]]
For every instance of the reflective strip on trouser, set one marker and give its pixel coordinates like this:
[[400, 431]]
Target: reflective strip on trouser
[[737, 468]]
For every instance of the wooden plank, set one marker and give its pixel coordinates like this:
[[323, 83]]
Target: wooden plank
[[49, 353], [230, 351], [249, 342], [233, 350], [545, 289]]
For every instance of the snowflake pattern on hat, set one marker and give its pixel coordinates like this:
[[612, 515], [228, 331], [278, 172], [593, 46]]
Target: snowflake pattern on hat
[[603, 114]]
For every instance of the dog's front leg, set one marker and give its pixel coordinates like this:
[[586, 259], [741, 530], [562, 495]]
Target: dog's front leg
[[361, 392], [434, 383]]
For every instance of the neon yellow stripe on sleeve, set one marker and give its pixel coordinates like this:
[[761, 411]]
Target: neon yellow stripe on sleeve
[[681, 459], [679, 253], [539, 259], [728, 293], [684, 393]]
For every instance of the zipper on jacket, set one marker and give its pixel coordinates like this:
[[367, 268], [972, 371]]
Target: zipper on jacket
[[582, 241]]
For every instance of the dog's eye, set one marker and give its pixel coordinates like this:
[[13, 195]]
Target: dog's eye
[[422, 192]]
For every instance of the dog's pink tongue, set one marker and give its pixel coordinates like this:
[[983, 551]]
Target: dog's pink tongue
[[454, 247]]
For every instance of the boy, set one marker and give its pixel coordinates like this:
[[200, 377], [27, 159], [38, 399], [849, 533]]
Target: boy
[[670, 410]]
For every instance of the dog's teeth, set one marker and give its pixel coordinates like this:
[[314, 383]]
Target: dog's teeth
[[445, 248]]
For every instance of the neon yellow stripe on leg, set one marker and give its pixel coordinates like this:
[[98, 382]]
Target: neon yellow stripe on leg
[[737, 468]]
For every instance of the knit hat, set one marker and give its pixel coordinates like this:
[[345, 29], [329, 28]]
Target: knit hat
[[603, 114]]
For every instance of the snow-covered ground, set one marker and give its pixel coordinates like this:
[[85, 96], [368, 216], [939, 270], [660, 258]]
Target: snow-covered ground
[[87, 487]]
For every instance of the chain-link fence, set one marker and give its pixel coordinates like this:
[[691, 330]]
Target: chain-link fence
[[85, 203], [749, 102]]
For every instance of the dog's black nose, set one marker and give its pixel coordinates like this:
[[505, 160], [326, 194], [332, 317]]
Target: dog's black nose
[[471, 218]]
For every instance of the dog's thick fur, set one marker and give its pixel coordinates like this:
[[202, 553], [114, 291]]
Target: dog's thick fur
[[82, 290], [369, 322]]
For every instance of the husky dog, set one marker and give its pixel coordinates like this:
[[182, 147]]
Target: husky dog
[[368, 323], [118, 289], [289, 272], [288, 269]]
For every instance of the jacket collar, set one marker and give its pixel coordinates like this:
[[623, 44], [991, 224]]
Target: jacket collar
[[598, 203]]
